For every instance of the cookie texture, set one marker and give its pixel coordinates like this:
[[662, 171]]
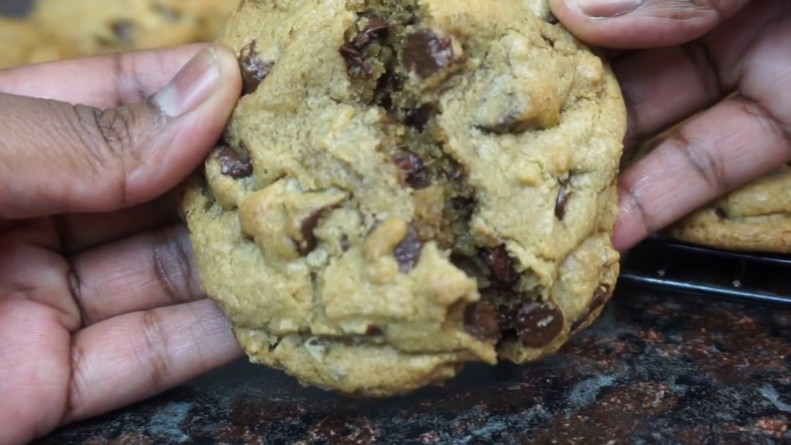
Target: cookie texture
[[106, 26], [408, 186], [755, 217], [22, 43]]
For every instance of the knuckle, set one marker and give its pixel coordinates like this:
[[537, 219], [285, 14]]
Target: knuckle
[[77, 384], [100, 133], [114, 127], [766, 117], [173, 265], [703, 159], [156, 346], [631, 200]]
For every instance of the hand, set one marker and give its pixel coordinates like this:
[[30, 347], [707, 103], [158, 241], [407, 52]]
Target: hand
[[100, 305], [729, 59]]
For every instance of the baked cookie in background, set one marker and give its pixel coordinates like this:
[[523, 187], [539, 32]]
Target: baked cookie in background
[[106, 26], [753, 218], [408, 186], [22, 43]]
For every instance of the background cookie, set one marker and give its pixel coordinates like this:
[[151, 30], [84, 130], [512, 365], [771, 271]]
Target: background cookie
[[407, 186], [755, 217], [103, 26], [23, 43]]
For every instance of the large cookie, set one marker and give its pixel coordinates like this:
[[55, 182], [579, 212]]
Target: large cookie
[[105, 26], [407, 186]]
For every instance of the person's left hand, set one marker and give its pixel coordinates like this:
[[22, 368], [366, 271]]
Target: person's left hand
[[100, 305]]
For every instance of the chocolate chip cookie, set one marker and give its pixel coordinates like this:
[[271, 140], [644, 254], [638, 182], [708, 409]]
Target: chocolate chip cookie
[[408, 186], [755, 217], [105, 26], [22, 43]]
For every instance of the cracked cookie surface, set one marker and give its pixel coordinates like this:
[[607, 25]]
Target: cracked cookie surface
[[408, 186]]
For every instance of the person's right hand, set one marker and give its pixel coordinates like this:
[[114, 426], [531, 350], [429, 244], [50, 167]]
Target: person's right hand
[[730, 59]]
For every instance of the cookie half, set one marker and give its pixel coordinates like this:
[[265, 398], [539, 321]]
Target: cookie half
[[408, 186]]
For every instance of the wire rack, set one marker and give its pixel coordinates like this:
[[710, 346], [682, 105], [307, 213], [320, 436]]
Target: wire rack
[[670, 265]]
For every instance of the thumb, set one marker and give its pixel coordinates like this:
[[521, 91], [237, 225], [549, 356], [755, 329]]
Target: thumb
[[636, 24], [57, 157]]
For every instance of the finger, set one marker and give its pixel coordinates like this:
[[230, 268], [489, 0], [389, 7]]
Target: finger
[[718, 151], [60, 158], [101, 81], [81, 231], [642, 23], [137, 355], [146, 271], [666, 85]]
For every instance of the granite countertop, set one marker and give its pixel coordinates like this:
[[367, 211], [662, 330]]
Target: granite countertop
[[654, 369]]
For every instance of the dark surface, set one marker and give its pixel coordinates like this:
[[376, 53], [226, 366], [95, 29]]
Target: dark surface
[[655, 369]]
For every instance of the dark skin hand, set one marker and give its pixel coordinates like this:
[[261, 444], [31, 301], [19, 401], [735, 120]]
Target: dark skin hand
[[100, 304], [99, 299], [730, 59]]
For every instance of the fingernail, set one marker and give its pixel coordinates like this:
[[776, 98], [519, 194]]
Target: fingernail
[[192, 86], [608, 8]]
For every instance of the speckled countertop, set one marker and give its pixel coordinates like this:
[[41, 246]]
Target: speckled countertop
[[654, 369]]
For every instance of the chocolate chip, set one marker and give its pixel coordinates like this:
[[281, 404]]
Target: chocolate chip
[[254, 68], [407, 253], [351, 51], [481, 321], [169, 14], [561, 200], [412, 19], [511, 124], [412, 165], [124, 31], [377, 29], [451, 171], [426, 53], [720, 213], [234, 163], [598, 300], [501, 266], [373, 331], [308, 242], [551, 19], [418, 117], [387, 84], [354, 61], [538, 324]]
